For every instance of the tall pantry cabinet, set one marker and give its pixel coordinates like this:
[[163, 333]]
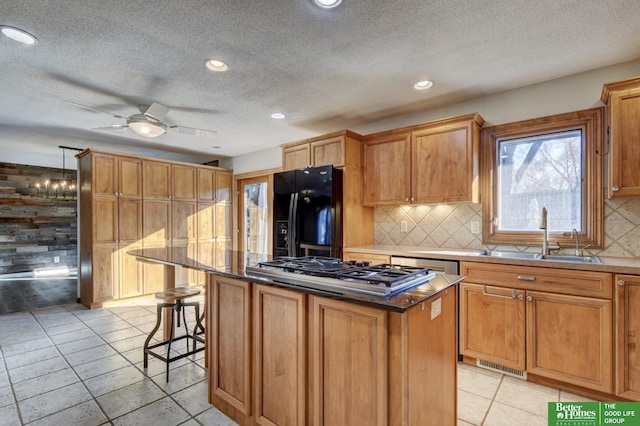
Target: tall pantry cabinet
[[128, 203]]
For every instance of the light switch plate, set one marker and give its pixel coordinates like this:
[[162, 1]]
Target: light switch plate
[[436, 308], [475, 227], [403, 226]]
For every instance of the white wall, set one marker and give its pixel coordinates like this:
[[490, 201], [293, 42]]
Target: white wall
[[573, 93]]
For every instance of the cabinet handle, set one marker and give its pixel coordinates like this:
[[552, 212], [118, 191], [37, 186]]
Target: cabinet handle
[[485, 293], [520, 297], [615, 188], [526, 278], [621, 282], [529, 298]]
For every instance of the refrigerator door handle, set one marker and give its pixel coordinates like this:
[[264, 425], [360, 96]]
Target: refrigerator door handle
[[291, 239]]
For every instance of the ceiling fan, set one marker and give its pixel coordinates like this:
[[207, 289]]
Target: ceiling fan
[[149, 122]]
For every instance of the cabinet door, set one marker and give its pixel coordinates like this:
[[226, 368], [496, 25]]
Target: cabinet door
[[444, 164], [156, 180], [348, 363], [569, 338], [296, 157], [206, 185], [223, 186], [105, 220], [130, 177], [104, 176], [387, 170], [183, 183], [279, 356], [206, 221], [156, 222], [230, 345], [183, 221], [131, 282], [129, 220], [154, 274], [628, 336], [492, 324], [105, 266], [328, 152], [624, 134]]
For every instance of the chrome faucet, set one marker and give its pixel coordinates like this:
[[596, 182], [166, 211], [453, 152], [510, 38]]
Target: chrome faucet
[[545, 237], [579, 251]]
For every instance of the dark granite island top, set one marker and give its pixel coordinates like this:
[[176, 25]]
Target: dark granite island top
[[178, 256]]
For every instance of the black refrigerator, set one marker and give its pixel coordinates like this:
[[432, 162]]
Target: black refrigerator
[[307, 212]]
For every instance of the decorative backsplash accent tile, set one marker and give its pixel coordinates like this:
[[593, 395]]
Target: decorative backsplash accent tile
[[450, 226]]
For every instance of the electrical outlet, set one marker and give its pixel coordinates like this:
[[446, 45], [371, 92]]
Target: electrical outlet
[[475, 227], [403, 226], [56, 259]]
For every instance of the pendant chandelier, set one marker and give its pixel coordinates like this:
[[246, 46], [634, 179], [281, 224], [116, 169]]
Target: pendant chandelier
[[58, 188]]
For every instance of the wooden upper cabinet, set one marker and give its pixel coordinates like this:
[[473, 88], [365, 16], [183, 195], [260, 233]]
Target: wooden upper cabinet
[[183, 183], [328, 151], [214, 185], [296, 156], [156, 179], [437, 162], [444, 166], [104, 175], [323, 150], [623, 100], [223, 186], [386, 169], [130, 177]]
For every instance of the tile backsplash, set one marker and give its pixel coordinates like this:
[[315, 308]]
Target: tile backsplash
[[452, 226]]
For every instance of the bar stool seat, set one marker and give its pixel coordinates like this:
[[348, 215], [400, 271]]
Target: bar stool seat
[[174, 299]]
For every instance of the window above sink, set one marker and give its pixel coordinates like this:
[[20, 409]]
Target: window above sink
[[554, 162]]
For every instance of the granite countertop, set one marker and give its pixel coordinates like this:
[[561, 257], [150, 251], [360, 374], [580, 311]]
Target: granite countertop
[[179, 256], [619, 265]]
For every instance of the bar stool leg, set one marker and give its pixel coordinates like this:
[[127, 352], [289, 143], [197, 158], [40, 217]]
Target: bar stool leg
[[153, 332], [171, 336]]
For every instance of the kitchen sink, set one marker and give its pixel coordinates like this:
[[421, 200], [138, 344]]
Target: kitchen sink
[[566, 258], [514, 255], [538, 256]]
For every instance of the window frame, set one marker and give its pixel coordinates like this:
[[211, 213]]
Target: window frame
[[591, 120]]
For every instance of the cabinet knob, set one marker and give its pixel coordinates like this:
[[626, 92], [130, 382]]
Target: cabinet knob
[[615, 188], [529, 298], [620, 282], [520, 297], [406, 199], [413, 199]]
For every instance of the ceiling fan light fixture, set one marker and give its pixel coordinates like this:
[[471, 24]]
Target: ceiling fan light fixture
[[327, 4], [423, 85], [146, 128], [18, 35], [216, 65]]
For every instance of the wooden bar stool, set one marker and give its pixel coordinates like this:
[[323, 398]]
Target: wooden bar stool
[[174, 299]]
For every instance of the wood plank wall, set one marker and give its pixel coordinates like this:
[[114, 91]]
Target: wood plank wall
[[34, 230]]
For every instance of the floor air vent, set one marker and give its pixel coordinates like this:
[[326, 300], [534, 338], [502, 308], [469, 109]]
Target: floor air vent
[[500, 369]]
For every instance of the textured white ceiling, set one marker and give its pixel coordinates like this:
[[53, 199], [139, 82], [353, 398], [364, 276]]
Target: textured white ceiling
[[326, 69]]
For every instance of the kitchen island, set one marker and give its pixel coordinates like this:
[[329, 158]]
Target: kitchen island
[[281, 353]]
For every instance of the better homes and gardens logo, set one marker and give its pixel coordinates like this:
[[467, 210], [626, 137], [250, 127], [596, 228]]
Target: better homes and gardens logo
[[594, 413]]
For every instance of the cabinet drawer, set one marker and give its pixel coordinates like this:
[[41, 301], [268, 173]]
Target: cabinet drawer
[[563, 281]]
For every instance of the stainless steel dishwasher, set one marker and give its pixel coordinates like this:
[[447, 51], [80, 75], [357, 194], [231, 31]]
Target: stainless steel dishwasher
[[436, 265]]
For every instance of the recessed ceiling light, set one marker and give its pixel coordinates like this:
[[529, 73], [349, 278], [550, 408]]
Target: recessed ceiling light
[[216, 65], [422, 85], [327, 4], [278, 115], [18, 35]]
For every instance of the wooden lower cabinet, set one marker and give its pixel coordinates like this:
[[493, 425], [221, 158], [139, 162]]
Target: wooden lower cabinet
[[281, 357], [374, 258], [569, 338], [229, 338], [551, 323], [628, 336], [493, 324], [348, 363], [279, 361]]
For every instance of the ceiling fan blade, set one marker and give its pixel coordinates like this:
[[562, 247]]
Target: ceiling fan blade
[[114, 115], [181, 130], [155, 111], [112, 127]]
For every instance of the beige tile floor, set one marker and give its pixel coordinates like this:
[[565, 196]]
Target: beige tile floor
[[72, 366]]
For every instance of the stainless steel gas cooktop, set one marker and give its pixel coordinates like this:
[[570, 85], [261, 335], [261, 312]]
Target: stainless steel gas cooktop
[[333, 274]]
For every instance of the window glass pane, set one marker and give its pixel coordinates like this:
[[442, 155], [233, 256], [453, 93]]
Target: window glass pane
[[541, 171], [256, 220]]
